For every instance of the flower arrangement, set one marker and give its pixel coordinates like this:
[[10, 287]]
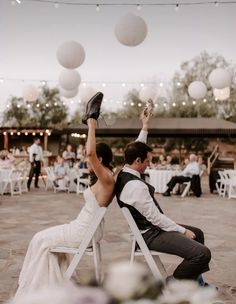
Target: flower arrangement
[[125, 284]]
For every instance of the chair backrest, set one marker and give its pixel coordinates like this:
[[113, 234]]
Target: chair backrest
[[143, 247], [88, 236], [50, 173]]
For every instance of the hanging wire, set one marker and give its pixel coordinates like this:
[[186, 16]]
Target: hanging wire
[[133, 4]]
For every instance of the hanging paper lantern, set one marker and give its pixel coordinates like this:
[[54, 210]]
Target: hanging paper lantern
[[70, 54], [30, 93], [222, 94], [131, 30], [87, 93], [220, 79], [147, 93], [69, 94], [69, 79], [197, 90]]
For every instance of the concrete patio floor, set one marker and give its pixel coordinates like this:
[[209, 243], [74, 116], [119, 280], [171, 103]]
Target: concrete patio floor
[[22, 216]]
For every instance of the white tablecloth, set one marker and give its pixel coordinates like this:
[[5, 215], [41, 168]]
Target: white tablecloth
[[159, 178]]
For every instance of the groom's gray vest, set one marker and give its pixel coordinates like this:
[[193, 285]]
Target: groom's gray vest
[[122, 179]]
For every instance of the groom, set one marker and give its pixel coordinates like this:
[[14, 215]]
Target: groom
[[159, 231]]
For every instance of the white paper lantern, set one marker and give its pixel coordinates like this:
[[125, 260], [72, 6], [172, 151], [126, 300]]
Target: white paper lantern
[[220, 78], [30, 93], [222, 94], [197, 90], [87, 93], [147, 93], [70, 54], [69, 94], [131, 30], [69, 79]]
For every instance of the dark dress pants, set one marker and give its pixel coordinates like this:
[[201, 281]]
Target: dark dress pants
[[177, 180], [196, 256], [34, 170]]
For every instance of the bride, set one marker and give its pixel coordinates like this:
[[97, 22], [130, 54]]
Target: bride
[[42, 268]]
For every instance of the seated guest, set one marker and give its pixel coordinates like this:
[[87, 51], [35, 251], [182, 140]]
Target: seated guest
[[202, 166], [61, 171], [184, 176], [168, 160], [6, 160], [69, 156]]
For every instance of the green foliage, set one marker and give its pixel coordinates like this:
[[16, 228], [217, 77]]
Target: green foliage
[[198, 68], [17, 113], [133, 105], [47, 112]]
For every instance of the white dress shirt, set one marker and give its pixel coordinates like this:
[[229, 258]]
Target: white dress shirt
[[136, 194], [37, 150], [191, 169]]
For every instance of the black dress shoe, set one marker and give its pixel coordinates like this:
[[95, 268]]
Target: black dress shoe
[[167, 193], [93, 107]]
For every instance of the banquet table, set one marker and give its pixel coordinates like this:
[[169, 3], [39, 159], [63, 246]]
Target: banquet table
[[159, 178]]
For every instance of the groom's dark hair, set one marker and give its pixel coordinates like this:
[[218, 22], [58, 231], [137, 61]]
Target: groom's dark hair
[[136, 149]]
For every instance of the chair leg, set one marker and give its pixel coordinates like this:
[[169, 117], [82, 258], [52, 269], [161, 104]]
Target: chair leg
[[96, 261], [132, 252], [160, 265]]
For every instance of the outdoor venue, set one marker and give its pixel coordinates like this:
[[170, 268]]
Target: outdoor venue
[[80, 83]]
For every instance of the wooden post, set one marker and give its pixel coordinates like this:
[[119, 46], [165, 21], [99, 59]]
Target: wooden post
[[45, 141], [6, 140]]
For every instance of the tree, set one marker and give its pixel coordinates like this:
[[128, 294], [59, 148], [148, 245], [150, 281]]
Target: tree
[[49, 111], [17, 113], [198, 68], [46, 112]]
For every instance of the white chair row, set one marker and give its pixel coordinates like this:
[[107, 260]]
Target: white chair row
[[82, 181], [89, 246], [226, 184], [13, 181]]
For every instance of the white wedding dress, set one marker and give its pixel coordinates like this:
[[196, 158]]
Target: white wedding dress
[[41, 267]]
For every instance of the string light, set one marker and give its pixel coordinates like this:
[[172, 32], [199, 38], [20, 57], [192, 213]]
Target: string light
[[204, 100], [183, 103], [18, 133], [138, 6], [194, 102]]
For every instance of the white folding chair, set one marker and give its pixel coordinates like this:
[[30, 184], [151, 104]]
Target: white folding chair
[[188, 186], [24, 179], [50, 178], [12, 181], [156, 266], [222, 184], [84, 247]]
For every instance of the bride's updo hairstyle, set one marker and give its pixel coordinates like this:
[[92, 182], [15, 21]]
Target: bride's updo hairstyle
[[103, 151]]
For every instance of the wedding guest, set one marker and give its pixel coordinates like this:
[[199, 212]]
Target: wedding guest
[[61, 171], [184, 176], [36, 160], [6, 160], [69, 156]]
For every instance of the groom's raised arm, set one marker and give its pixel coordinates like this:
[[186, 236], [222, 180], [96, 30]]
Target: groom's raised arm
[[145, 117]]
